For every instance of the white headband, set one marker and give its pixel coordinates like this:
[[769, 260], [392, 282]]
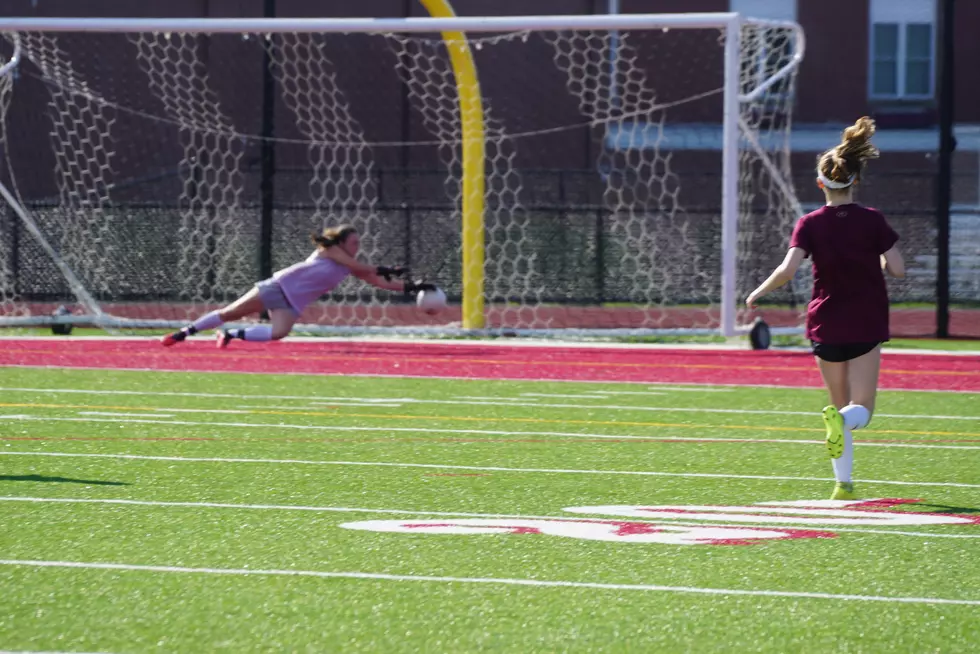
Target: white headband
[[835, 185]]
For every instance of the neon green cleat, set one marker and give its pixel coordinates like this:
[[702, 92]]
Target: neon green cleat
[[834, 422], [844, 491]]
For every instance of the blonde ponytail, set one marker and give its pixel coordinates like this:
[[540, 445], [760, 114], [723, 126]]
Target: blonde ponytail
[[845, 163]]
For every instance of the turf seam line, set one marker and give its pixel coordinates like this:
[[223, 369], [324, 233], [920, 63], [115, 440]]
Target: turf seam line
[[151, 419], [292, 411], [814, 386], [469, 400], [440, 466], [483, 580]]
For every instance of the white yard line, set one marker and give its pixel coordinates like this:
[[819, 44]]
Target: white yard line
[[482, 432], [234, 396], [387, 404], [539, 583], [677, 389], [455, 514], [509, 401], [660, 390], [584, 396], [610, 382], [439, 466], [125, 415], [475, 400], [423, 430]]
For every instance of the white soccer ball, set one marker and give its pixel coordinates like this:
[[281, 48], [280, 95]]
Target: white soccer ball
[[432, 302]]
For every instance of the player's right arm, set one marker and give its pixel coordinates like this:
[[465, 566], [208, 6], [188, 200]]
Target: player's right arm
[[783, 274], [365, 271], [893, 263]]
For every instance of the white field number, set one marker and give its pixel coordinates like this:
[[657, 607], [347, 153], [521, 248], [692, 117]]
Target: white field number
[[622, 532], [807, 512], [771, 516]]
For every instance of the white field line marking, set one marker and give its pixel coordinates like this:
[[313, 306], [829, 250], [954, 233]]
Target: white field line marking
[[234, 396], [441, 466], [509, 401], [610, 382], [483, 432], [527, 342], [586, 396], [493, 400], [181, 410], [661, 390], [124, 415], [387, 404], [484, 580], [497, 398], [452, 514], [679, 389], [277, 425]]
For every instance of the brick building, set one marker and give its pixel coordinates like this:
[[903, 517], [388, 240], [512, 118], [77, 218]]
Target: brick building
[[863, 57]]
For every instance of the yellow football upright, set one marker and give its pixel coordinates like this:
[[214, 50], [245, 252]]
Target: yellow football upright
[[471, 124]]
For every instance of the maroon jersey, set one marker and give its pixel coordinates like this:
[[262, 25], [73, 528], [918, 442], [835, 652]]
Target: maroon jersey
[[850, 299]]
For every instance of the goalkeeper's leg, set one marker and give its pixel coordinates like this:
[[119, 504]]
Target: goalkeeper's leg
[[281, 322], [245, 305]]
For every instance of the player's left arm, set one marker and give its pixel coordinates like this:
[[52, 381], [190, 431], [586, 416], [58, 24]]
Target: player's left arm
[[337, 254], [407, 286], [380, 282], [783, 273], [378, 276], [366, 271]]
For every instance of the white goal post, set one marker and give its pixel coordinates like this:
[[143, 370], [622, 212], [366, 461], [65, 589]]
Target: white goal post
[[681, 203]]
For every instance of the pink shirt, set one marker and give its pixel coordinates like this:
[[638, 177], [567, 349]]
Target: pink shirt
[[850, 299], [302, 283]]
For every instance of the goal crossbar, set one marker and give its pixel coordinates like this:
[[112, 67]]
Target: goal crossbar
[[383, 25]]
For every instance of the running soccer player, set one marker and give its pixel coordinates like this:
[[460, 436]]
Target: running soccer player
[[290, 290], [847, 318]]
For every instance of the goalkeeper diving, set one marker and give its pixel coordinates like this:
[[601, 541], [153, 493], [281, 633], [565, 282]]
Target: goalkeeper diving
[[289, 291]]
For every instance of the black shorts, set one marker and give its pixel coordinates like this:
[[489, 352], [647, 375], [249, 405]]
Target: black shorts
[[839, 352]]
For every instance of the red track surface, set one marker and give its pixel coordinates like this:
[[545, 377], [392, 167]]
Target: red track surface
[[797, 369]]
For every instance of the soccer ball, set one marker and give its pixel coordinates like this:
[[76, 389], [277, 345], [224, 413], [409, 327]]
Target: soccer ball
[[431, 302]]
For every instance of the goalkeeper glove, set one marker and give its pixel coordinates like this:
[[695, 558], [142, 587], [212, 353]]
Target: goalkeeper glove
[[416, 286], [391, 271]]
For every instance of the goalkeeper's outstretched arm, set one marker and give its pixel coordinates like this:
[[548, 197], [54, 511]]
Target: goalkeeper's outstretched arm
[[378, 276]]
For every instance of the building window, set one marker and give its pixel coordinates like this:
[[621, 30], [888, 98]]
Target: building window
[[771, 9], [902, 49]]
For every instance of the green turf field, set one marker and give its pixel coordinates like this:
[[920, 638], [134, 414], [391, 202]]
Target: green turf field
[[220, 499]]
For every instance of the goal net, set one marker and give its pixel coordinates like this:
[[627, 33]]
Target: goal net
[[596, 174]]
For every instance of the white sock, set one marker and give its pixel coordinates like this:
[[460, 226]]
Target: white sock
[[208, 321], [844, 465], [258, 333], [855, 416]]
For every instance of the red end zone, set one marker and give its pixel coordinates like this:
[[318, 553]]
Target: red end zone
[[485, 361]]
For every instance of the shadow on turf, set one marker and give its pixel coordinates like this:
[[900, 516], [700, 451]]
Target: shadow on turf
[[68, 480], [942, 508]]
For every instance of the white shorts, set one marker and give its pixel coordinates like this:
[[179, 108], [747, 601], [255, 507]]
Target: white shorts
[[270, 292]]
